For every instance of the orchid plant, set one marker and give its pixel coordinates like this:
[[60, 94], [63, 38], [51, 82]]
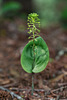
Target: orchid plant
[[35, 55]]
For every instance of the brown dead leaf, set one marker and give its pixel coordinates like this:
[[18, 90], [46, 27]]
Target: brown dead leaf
[[3, 82], [58, 77], [14, 73]]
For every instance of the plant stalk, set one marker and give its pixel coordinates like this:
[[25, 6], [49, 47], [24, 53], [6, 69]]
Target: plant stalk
[[33, 65], [32, 84]]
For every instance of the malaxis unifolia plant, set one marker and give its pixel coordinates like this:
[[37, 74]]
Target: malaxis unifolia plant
[[35, 55]]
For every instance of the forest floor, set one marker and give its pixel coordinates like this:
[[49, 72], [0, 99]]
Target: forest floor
[[50, 84]]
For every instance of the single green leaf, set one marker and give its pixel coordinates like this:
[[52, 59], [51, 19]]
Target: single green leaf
[[38, 64]]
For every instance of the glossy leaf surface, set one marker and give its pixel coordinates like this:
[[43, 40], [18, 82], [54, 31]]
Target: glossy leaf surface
[[37, 64]]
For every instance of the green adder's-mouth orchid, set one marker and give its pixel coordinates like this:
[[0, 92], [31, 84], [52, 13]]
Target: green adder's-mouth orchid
[[35, 55]]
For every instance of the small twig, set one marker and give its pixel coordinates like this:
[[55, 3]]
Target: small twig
[[38, 90], [62, 84], [12, 93], [17, 89], [59, 89], [9, 85]]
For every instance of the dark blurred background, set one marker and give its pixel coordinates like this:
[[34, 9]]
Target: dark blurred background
[[51, 12]]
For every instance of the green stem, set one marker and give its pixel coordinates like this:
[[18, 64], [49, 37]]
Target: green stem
[[32, 83], [33, 65]]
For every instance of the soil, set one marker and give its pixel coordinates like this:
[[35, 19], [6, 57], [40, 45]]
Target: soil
[[50, 84]]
